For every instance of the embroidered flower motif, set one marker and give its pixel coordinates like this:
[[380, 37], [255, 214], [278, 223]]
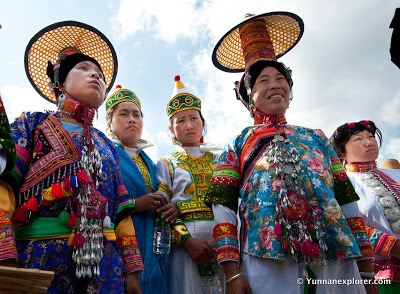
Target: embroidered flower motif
[[343, 239], [316, 166], [333, 213], [289, 132], [267, 236], [232, 159], [276, 185], [318, 153], [319, 132], [316, 182]]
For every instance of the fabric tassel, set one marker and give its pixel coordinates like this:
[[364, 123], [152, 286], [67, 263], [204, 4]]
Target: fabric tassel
[[83, 177], [309, 249], [66, 184], [56, 191], [278, 230], [72, 219], [20, 215], [63, 217], [32, 204], [71, 237], [107, 222], [78, 240], [74, 182], [47, 195]]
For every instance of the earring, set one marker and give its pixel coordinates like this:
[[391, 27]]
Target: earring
[[61, 100]]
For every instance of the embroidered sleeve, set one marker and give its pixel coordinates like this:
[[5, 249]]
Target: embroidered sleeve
[[127, 242], [23, 130], [359, 232], [7, 241], [179, 233], [226, 242], [164, 177], [224, 184], [344, 191], [6, 140], [381, 242]]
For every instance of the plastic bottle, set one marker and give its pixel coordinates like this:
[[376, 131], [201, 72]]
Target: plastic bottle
[[162, 236], [209, 278]]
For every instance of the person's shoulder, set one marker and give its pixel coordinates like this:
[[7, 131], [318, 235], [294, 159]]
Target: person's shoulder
[[317, 132]]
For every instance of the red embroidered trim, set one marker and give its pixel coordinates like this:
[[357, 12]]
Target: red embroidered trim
[[130, 254], [359, 231], [224, 233]]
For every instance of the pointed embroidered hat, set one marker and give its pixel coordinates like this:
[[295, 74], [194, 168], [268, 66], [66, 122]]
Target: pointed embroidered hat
[[258, 41], [181, 99], [121, 95], [67, 42]]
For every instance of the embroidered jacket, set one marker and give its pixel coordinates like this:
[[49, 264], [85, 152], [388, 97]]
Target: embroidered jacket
[[139, 177], [185, 179], [47, 180], [245, 171], [379, 191]]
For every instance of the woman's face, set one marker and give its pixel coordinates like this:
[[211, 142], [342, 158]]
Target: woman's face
[[361, 147], [85, 83], [127, 123], [271, 92], [187, 127]]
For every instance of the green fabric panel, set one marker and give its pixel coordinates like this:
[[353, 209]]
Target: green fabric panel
[[44, 227], [344, 192], [128, 205]]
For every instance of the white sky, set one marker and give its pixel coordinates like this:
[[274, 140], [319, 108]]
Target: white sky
[[341, 67]]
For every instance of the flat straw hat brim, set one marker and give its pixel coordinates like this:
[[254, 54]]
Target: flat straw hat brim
[[285, 30], [47, 43]]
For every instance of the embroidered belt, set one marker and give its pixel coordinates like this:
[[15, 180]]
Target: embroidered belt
[[197, 216], [43, 228]]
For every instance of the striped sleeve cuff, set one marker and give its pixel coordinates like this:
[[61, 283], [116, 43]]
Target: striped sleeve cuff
[[226, 242], [359, 231], [381, 242], [130, 254], [8, 247]]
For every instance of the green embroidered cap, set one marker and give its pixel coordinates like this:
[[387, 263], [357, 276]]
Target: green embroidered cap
[[181, 100], [121, 95]]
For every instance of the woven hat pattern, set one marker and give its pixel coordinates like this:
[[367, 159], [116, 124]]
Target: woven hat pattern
[[46, 45], [121, 95], [284, 30], [256, 42]]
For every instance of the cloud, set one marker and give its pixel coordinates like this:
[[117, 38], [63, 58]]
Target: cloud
[[392, 149], [17, 97]]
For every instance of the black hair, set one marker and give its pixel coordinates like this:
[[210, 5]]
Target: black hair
[[343, 133]]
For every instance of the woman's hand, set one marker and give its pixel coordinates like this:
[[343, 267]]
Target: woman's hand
[[131, 283], [170, 212], [201, 251], [239, 285], [150, 201]]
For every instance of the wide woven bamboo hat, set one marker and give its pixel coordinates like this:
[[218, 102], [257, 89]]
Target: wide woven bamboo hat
[[49, 42], [265, 36]]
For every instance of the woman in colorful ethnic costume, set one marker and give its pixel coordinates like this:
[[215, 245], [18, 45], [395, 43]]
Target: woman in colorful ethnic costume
[[379, 193], [295, 195], [72, 211], [125, 123], [184, 177]]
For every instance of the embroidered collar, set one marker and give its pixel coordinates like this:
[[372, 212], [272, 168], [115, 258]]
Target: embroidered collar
[[269, 119], [204, 147], [140, 144], [361, 167], [78, 110]]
